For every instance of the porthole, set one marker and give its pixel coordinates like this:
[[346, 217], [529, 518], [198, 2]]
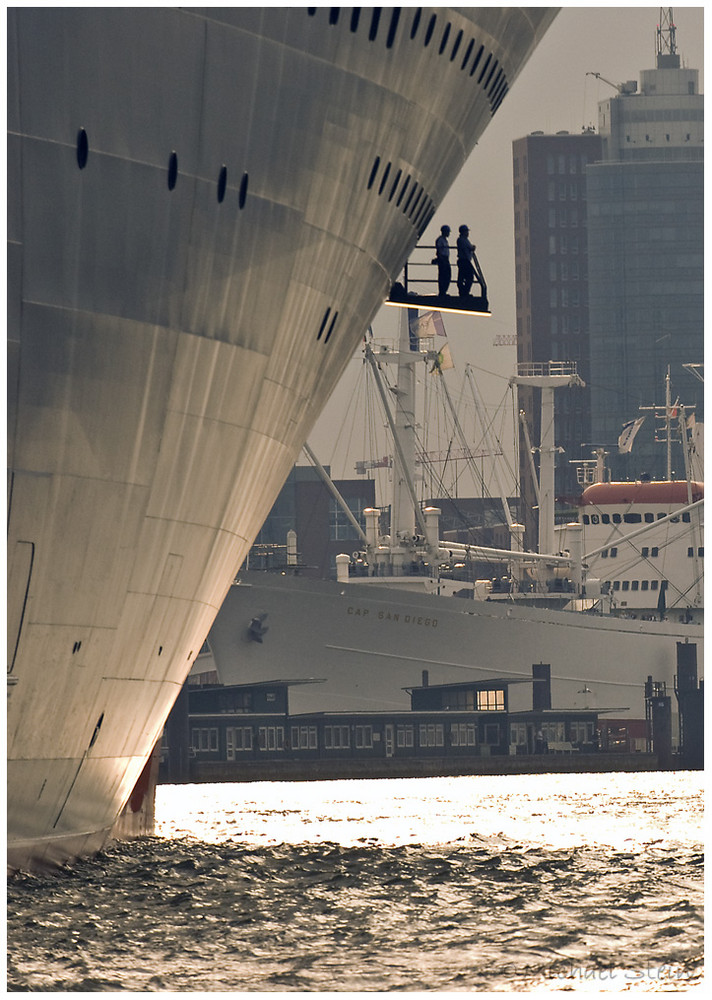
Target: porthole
[[396, 182], [403, 191], [409, 199], [333, 15], [384, 178], [222, 183], [331, 328], [395, 17], [495, 64], [374, 171], [375, 18], [82, 148], [456, 46], [242, 197], [429, 31], [443, 42], [323, 324], [484, 69], [468, 53], [416, 23], [496, 101], [355, 17], [494, 86], [477, 60], [172, 170], [418, 202], [97, 727]]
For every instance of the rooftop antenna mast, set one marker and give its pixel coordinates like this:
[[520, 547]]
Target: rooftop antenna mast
[[666, 45]]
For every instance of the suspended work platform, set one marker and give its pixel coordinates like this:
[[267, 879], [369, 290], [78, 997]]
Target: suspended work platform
[[420, 275]]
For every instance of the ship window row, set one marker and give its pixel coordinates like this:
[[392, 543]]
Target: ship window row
[[700, 552], [412, 198], [646, 552], [491, 76], [634, 518], [172, 172], [627, 585]]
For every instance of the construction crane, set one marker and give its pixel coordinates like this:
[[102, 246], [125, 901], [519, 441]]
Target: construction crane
[[629, 87]]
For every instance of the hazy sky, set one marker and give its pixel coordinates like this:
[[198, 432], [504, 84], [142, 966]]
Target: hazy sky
[[552, 93]]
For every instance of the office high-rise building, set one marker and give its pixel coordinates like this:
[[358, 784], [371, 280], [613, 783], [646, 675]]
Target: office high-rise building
[[645, 243], [609, 270], [551, 271]]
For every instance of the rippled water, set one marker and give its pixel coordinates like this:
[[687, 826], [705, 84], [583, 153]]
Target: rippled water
[[523, 883]]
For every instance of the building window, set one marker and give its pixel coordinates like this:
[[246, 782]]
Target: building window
[[337, 737], [340, 528], [490, 701], [238, 740], [363, 737], [518, 733], [404, 736], [303, 738], [431, 735], [271, 737], [204, 740], [581, 732], [462, 734]]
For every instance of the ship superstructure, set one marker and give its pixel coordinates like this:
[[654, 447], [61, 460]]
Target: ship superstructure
[[206, 208]]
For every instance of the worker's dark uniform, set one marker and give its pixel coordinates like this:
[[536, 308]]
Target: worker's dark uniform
[[465, 267], [442, 255]]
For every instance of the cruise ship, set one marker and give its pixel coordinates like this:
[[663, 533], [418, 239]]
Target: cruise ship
[[207, 206]]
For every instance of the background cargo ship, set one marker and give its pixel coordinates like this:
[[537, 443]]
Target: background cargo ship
[[604, 601], [206, 208]]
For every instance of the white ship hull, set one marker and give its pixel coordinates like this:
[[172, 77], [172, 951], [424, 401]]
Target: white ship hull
[[206, 209], [368, 643]]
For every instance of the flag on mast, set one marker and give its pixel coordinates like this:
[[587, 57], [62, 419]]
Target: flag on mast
[[428, 324], [627, 435], [443, 361]]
